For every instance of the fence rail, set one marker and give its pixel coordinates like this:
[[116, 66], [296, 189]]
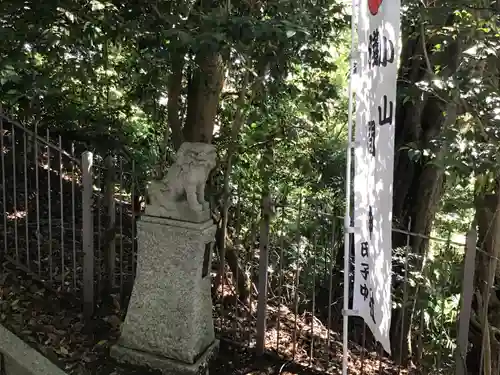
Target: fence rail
[[300, 255], [42, 221], [70, 222]]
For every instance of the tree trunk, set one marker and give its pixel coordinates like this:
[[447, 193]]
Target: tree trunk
[[239, 119], [485, 320], [418, 184], [231, 256], [174, 95], [204, 90]]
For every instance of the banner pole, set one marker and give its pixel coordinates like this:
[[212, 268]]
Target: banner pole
[[348, 227]]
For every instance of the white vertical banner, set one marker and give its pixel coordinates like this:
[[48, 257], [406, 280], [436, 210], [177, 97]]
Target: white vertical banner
[[378, 31]]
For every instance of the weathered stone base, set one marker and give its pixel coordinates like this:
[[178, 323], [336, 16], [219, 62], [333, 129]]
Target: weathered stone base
[[165, 365], [179, 211]]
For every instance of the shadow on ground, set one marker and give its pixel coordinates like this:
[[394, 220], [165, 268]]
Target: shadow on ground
[[56, 328], [232, 360]]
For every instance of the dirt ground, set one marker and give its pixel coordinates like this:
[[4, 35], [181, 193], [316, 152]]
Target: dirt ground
[[232, 360], [56, 328]]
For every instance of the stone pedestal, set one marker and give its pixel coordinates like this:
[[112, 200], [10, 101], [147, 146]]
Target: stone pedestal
[[169, 324]]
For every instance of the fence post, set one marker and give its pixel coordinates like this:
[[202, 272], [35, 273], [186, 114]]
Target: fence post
[[88, 235], [3, 252], [466, 300], [263, 274], [110, 237]]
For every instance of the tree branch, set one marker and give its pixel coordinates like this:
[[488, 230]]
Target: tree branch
[[173, 106]]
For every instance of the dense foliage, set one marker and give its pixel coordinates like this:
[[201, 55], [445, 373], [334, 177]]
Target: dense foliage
[[266, 82]]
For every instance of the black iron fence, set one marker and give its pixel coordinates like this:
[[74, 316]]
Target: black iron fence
[[69, 220], [42, 206], [297, 313]]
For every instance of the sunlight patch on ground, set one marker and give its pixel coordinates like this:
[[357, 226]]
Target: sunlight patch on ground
[[16, 215]]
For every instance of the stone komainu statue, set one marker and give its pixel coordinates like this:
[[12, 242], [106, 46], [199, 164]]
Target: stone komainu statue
[[181, 194]]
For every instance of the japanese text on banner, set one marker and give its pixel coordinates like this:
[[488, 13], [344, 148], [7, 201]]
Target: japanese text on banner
[[376, 75]]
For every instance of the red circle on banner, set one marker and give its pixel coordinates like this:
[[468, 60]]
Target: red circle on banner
[[374, 6]]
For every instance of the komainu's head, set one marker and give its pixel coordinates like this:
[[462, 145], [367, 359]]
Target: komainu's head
[[197, 154]]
